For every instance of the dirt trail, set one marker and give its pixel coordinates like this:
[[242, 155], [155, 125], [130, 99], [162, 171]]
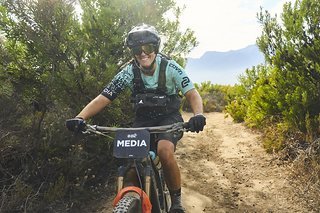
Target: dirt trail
[[225, 169]]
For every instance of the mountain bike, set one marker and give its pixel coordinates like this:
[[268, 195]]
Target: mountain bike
[[132, 145]]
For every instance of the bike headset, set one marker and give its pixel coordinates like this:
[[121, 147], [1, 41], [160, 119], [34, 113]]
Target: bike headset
[[140, 35]]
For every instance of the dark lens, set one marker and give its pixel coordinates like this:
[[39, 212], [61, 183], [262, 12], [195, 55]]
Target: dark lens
[[148, 48], [136, 50]]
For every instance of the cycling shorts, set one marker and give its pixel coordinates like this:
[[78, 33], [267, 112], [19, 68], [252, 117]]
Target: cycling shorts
[[160, 121]]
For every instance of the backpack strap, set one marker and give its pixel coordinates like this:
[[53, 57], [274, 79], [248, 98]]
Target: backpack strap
[[162, 75], [138, 85]]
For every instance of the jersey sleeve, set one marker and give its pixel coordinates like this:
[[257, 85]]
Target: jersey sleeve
[[180, 77], [119, 83]]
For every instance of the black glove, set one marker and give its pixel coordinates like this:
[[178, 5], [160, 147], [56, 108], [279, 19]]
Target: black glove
[[76, 124], [196, 123]]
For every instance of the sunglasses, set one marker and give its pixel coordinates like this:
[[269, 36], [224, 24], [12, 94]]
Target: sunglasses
[[146, 48]]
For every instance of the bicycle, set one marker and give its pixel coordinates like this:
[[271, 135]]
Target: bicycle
[[133, 144]]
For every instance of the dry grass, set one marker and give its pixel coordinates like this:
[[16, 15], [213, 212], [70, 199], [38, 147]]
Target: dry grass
[[306, 175]]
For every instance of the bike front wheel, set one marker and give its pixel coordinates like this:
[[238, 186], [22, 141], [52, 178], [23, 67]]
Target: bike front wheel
[[128, 204]]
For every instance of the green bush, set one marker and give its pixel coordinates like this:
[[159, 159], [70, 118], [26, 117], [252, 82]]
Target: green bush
[[51, 65], [215, 97], [237, 110]]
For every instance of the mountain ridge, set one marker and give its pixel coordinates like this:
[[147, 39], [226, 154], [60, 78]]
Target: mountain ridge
[[223, 67]]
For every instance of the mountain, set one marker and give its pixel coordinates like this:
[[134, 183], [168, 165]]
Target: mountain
[[223, 67]]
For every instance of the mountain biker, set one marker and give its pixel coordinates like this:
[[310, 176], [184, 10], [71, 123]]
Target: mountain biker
[[155, 81]]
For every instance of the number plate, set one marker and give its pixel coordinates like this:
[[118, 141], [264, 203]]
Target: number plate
[[131, 144]]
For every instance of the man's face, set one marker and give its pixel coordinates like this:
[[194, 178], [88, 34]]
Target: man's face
[[145, 54]]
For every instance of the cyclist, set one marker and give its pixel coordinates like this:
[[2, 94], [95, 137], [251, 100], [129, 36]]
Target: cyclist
[[155, 81]]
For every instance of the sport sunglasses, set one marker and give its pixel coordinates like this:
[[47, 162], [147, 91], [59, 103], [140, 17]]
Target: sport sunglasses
[[146, 48]]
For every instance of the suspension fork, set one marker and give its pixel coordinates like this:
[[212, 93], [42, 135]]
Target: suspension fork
[[122, 170], [151, 189], [146, 170], [147, 180]]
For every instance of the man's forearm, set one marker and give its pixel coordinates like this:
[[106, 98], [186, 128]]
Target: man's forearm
[[195, 101], [94, 107]]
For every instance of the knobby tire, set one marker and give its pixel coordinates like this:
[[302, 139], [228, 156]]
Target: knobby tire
[[128, 204]]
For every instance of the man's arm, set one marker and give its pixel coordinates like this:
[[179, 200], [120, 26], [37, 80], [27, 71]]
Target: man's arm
[[95, 106], [198, 121], [195, 101]]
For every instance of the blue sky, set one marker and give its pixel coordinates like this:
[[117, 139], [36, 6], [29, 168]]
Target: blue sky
[[222, 25]]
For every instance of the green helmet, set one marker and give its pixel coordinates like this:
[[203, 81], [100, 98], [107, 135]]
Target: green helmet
[[143, 34]]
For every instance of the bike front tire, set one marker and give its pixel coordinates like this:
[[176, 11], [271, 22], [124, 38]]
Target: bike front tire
[[128, 204]]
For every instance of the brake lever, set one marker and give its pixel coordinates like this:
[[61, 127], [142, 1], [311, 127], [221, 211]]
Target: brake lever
[[90, 129], [93, 129], [179, 127]]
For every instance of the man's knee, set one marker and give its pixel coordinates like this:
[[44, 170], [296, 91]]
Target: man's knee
[[165, 150]]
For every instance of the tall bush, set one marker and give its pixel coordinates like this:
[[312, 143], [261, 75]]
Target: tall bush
[[286, 89], [53, 61]]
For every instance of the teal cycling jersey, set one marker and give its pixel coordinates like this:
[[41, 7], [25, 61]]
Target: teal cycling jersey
[[176, 80]]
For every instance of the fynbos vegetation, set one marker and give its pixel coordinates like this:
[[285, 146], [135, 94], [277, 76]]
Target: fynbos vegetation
[[282, 98], [53, 61]]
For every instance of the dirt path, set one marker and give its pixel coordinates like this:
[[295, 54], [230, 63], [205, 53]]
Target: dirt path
[[225, 169]]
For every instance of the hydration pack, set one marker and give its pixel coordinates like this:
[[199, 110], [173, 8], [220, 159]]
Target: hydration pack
[[152, 103]]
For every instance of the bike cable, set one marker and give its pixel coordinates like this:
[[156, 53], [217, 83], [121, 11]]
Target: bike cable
[[140, 182]]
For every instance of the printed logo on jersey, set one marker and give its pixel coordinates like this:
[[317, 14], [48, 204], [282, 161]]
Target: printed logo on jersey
[[176, 68], [185, 82], [107, 91]]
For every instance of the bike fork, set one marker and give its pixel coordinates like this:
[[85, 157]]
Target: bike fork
[[120, 180], [147, 180]]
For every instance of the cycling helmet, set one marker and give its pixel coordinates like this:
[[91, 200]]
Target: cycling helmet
[[143, 34]]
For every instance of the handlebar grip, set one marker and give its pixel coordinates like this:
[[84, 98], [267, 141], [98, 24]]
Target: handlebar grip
[[75, 124], [186, 125]]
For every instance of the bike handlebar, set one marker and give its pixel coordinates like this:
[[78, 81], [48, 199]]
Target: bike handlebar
[[175, 127]]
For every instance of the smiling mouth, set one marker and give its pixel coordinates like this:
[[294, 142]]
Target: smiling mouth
[[144, 58]]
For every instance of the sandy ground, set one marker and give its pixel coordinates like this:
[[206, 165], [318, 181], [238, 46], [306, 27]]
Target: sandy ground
[[225, 169]]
